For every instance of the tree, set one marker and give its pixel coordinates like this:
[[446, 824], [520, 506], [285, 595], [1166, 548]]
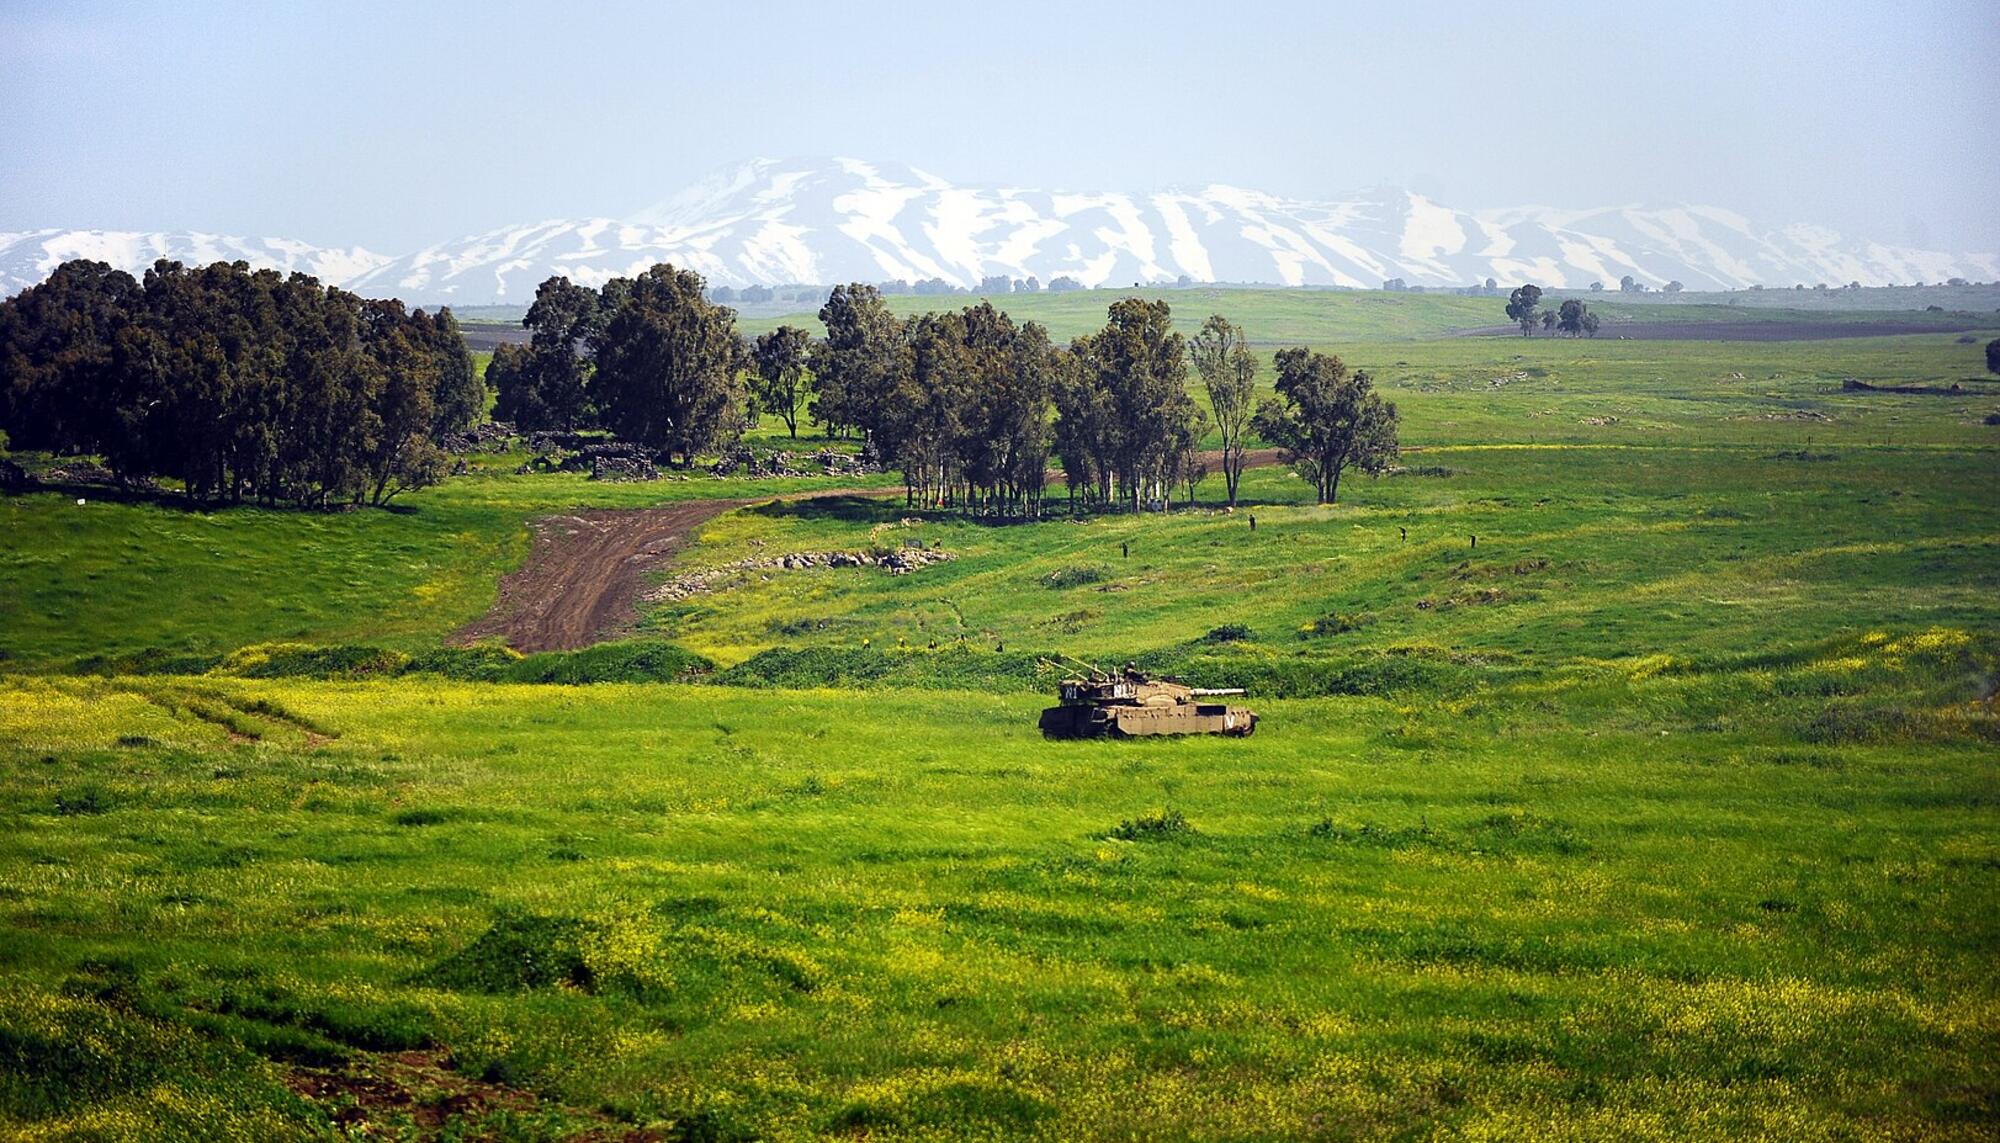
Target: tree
[[563, 324], [1326, 419], [1993, 356], [1672, 287], [1597, 287], [1136, 367], [1064, 283], [1548, 320], [667, 364], [1228, 370], [1523, 305], [516, 398], [1589, 324], [860, 361], [780, 361], [1569, 317], [461, 392], [401, 395]]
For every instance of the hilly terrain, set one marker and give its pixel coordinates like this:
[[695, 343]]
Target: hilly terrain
[[1626, 770], [809, 221]]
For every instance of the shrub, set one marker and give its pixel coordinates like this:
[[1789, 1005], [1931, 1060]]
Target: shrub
[[633, 662], [1336, 623], [147, 661], [1166, 825], [1227, 633], [300, 660], [484, 662], [1075, 575]]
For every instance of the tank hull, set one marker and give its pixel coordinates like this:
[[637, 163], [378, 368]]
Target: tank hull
[[1077, 721]]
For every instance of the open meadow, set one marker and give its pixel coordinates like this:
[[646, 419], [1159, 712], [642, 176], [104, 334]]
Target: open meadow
[[1628, 769]]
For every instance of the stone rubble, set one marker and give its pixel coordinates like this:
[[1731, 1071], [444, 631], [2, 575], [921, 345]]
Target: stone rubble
[[901, 561]]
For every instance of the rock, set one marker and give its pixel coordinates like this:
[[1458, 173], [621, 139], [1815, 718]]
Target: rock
[[622, 468]]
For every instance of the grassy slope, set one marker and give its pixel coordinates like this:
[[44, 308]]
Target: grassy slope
[[110, 576], [1581, 552], [1604, 905]]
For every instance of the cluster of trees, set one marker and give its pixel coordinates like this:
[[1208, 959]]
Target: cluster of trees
[[1572, 317], [651, 358], [237, 384], [968, 405]]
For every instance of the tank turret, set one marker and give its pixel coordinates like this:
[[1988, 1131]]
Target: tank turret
[[1130, 703]]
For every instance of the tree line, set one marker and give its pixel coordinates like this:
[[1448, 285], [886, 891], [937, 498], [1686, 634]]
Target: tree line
[[239, 384], [245, 384], [969, 406]]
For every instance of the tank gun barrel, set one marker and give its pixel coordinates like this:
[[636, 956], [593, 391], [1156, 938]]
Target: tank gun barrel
[[1216, 690]]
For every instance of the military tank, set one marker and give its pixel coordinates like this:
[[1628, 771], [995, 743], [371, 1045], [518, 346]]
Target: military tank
[[1130, 703]]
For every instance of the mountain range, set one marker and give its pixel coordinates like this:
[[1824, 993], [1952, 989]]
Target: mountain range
[[820, 221]]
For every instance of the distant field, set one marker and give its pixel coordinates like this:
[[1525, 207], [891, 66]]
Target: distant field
[[1289, 317]]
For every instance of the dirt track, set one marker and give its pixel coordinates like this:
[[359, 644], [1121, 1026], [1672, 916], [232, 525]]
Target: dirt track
[[584, 574]]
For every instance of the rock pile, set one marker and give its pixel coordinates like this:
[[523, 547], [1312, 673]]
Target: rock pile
[[623, 468], [901, 561], [494, 436], [839, 463], [744, 460]]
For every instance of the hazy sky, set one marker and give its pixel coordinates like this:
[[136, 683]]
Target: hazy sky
[[391, 126]]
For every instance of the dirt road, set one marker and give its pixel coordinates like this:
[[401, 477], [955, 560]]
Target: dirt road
[[584, 574]]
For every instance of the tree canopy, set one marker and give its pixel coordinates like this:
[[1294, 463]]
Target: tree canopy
[[1326, 419], [235, 383]]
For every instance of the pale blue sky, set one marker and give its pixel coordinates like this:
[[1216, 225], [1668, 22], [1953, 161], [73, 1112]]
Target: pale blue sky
[[394, 125]]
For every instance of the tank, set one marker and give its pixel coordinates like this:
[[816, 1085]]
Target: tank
[[1129, 703]]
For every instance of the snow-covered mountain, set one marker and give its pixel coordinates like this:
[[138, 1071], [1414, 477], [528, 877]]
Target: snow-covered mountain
[[26, 257], [819, 221]]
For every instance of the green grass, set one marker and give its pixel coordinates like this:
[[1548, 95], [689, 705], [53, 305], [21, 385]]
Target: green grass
[[110, 577], [1285, 317], [1611, 902], [1581, 552]]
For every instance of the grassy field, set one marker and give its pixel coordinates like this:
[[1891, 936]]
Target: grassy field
[[1607, 903], [1665, 812], [1284, 317]]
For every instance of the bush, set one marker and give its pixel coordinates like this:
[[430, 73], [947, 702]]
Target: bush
[[484, 663], [1227, 633], [1166, 825], [147, 661], [1336, 623], [634, 662], [1076, 575], [300, 660]]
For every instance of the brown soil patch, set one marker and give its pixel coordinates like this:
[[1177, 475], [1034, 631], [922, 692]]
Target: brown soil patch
[[584, 573], [384, 1091]]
